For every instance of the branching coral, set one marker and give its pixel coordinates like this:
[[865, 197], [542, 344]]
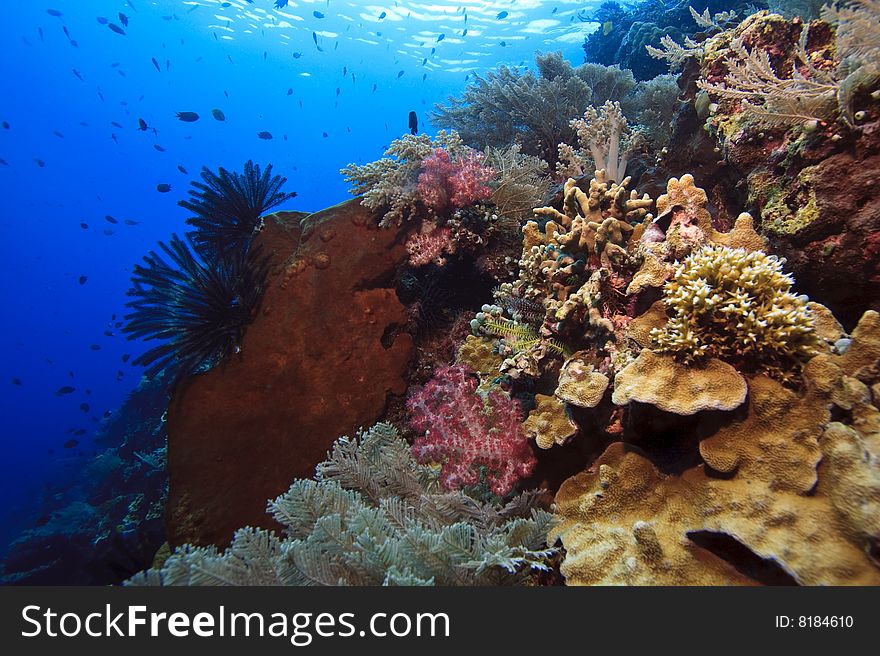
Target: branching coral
[[465, 432], [373, 516], [737, 306], [605, 142], [199, 307], [520, 183], [228, 207]]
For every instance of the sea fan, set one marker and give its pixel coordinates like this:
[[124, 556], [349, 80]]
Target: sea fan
[[228, 207], [198, 306]]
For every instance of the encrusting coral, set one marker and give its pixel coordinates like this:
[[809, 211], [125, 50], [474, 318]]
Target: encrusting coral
[[373, 516]]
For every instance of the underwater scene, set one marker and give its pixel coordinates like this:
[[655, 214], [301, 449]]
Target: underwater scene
[[518, 292]]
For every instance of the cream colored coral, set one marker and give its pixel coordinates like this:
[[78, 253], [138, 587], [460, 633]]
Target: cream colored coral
[[736, 305], [579, 384], [549, 423], [682, 389]]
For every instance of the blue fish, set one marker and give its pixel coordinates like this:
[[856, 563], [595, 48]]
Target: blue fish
[[382, 15], [317, 14], [501, 15], [400, 75], [440, 38]]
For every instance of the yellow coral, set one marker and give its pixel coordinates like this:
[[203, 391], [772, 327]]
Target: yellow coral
[[549, 423], [579, 384], [671, 386], [736, 305]]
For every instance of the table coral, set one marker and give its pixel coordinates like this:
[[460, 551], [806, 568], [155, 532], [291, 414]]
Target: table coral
[[682, 389]]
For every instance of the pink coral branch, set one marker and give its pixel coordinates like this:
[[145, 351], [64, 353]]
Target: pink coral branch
[[463, 432], [446, 184]]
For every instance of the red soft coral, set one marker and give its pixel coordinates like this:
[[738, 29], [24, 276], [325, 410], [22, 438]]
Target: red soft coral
[[446, 184], [463, 432]]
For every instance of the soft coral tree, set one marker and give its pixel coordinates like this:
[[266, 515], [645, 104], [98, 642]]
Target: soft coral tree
[[447, 182], [465, 431]]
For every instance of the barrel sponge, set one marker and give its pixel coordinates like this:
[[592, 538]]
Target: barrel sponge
[[660, 380], [736, 305], [581, 385], [549, 423]]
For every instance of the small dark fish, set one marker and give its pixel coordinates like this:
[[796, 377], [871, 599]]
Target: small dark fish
[[5, 125], [123, 19], [109, 232], [338, 91], [107, 413], [83, 279], [413, 123], [66, 32], [69, 444], [102, 20], [40, 32], [181, 169], [115, 124], [130, 222], [325, 134], [116, 28], [501, 15], [53, 12], [315, 37], [297, 55], [108, 333], [57, 134], [280, 4], [125, 357], [16, 381], [95, 347], [113, 136], [40, 163], [374, 87], [163, 188], [424, 77], [187, 117], [382, 15], [67, 389], [159, 148], [503, 44], [290, 92], [79, 77], [84, 226], [156, 64], [317, 14], [399, 75], [167, 65], [3, 162], [217, 114], [84, 407], [110, 219], [264, 135], [142, 125], [440, 38], [465, 32]]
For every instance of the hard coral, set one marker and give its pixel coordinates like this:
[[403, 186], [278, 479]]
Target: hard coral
[[465, 431], [736, 305]]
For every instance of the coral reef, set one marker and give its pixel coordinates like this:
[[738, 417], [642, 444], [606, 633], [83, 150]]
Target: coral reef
[[474, 438], [789, 470], [445, 183], [605, 142], [373, 516]]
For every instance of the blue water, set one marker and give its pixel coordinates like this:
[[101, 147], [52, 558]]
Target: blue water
[[235, 56]]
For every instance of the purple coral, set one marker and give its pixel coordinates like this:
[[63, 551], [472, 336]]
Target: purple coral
[[464, 431], [446, 183]]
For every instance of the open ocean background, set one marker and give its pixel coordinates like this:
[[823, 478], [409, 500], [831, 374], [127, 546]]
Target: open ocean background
[[332, 81]]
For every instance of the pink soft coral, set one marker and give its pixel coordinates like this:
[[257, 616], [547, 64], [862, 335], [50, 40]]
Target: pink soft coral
[[445, 183], [424, 248], [464, 432]]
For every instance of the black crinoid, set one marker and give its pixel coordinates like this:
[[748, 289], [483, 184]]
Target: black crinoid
[[197, 305], [228, 207]]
